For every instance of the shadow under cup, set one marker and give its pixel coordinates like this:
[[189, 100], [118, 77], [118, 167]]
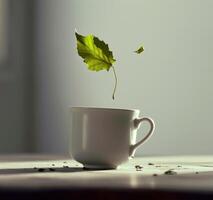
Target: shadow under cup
[[103, 138]]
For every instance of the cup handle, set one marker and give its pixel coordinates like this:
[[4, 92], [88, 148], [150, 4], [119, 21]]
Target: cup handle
[[137, 123]]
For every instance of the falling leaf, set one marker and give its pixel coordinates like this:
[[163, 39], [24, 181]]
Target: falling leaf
[[96, 53]]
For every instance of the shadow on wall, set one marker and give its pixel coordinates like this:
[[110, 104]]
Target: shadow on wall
[[16, 71]]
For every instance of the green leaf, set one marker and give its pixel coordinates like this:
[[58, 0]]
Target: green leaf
[[139, 50], [96, 53]]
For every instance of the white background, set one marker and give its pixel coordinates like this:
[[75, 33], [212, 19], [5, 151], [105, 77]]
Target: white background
[[171, 82]]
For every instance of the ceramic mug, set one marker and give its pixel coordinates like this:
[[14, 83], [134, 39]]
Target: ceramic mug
[[104, 138]]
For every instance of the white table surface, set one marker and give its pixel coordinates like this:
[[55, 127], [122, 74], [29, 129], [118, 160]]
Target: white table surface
[[194, 173]]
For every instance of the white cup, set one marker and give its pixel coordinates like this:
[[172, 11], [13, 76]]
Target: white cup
[[104, 138]]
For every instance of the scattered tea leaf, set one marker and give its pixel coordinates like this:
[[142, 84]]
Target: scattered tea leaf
[[41, 169], [138, 167], [170, 172], [155, 175], [150, 163], [65, 166], [51, 169], [196, 172]]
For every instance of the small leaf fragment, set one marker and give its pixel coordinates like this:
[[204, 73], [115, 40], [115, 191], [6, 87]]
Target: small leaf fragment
[[139, 50]]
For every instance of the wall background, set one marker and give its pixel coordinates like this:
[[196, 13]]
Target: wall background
[[171, 82]]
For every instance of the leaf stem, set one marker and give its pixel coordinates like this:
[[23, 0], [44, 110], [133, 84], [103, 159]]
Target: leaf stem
[[116, 81]]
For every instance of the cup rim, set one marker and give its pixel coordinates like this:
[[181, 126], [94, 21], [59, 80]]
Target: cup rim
[[78, 108]]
